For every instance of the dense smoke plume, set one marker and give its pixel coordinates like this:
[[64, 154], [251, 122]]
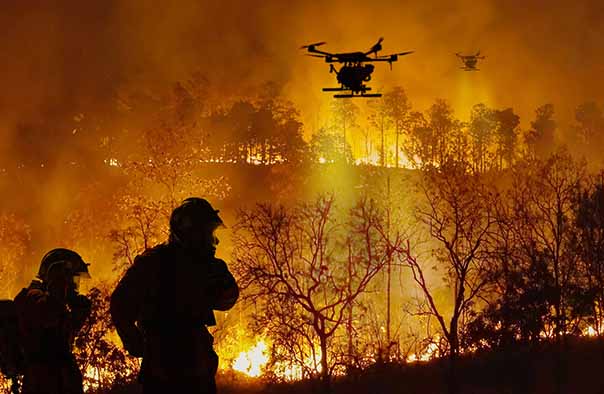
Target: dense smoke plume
[[63, 58]]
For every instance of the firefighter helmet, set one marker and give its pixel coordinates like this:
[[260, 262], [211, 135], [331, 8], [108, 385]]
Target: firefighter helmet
[[73, 262], [193, 213]]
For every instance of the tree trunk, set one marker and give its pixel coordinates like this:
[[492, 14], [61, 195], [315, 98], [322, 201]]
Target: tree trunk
[[382, 156], [453, 380], [349, 327], [367, 153], [325, 378], [396, 146], [388, 339], [389, 272]]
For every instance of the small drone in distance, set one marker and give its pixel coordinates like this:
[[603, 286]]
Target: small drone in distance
[[469, 61], [352, 75]]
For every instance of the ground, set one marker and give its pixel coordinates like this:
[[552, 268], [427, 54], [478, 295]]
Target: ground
[[573, 367]]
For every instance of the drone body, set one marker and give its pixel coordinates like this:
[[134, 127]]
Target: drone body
[[354, 73], [469, 61]]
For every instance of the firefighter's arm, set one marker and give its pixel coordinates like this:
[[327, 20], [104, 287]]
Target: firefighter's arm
[[43, 309], [125, 306], [80, 307], [45, 305], [224, 291]]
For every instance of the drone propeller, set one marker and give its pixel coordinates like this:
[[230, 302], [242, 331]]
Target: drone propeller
[[404, 53], [311, 55], [377, 47], [313, 45]]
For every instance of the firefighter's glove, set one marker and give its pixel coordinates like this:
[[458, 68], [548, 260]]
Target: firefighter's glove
[[133, 343], [80, 307]]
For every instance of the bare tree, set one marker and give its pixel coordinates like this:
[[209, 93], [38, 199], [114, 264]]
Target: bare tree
[[543, 199], [305, 268], [458, 215], [589, 219], [143, 225]]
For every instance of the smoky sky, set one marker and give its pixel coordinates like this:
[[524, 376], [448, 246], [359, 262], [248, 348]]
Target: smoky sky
[[66, 60], [62, 58]]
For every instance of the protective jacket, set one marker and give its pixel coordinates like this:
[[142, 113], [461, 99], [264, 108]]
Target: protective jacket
[[47, 327], [161, 309]]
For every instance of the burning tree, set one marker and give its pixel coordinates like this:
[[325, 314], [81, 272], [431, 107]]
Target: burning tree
[[543, 199], [143, 226], [458, 214], [166, 172], [104, 363], [304, 268], [589, 220]]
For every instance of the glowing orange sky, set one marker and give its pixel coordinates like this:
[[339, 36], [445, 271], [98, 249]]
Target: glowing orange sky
[[59, 56]]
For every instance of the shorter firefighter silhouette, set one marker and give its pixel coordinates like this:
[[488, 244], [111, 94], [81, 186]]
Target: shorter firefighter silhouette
[[40, 326]]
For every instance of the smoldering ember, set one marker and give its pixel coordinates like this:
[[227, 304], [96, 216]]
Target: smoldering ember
[[438, 227]]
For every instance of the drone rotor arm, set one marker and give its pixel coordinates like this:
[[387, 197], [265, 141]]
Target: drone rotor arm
[[316, 44], [313, 50]]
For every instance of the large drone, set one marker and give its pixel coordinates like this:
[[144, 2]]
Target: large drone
[[469, 61], [352, 75]]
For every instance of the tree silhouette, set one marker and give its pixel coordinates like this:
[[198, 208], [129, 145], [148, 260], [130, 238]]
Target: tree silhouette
[[543, 195], [303, 268], [327, 146], [481, 129], [264, 132], [589, 218], [397, 107], [522, 293], [442, 124], [380, 120], [506, 134], [589, 129], [458, 214], [540, 138], [345, 114]]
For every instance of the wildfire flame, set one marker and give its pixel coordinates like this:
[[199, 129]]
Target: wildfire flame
[[427, 355], [590, 332], [253, 361]]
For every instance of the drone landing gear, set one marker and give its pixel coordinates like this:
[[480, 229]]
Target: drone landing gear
[[357, 95], [350, 94], [365, 89]]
